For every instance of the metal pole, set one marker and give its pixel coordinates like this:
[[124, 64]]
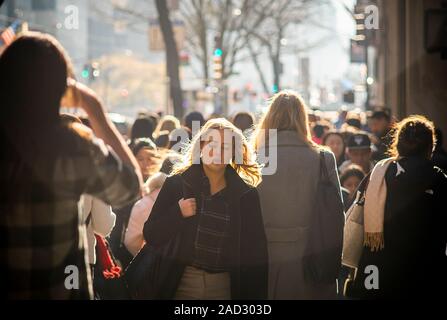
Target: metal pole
[[367, 106], [168, 94], [225, 99], [11, 9]]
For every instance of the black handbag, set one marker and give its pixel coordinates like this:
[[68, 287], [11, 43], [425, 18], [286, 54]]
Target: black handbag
[[153, 273], [322, 256]]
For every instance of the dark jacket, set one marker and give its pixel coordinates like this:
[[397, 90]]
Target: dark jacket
[[440, 158], [413, 261], [249, 261]]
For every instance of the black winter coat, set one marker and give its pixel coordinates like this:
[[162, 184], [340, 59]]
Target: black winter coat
[[413, 262], [249, 261]]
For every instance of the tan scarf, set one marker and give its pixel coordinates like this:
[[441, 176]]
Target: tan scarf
[[374, 210]]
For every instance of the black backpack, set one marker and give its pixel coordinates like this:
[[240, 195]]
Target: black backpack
[[322, 257]]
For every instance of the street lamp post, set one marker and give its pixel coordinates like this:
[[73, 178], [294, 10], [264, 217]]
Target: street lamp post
[[168, 94], [367, 86]]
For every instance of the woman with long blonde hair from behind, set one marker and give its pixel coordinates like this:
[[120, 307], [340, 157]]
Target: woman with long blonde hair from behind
[[209, 210], [288, 194]]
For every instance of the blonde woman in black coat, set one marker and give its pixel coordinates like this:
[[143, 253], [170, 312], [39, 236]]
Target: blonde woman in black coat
[[210, 208]]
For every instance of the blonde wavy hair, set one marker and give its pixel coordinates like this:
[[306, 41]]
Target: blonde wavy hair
[[243, 158], [286, 111]]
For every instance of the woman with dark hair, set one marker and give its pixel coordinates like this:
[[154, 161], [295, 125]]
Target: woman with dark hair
[[147, 155], [244, 121], [194, 117], [335, 141], [46, 166], [143, 127], [155, 117], [404, 223]]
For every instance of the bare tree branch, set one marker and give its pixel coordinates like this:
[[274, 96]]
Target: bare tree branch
[[275, 26], [257, 65]]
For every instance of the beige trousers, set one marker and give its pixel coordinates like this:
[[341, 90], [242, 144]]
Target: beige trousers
[[198, 284]]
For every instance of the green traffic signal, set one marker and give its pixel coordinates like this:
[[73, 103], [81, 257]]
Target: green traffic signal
[[85, 74], [90, 71], [218, 52]]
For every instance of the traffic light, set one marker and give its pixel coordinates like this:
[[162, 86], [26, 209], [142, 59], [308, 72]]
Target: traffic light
[[95, 70], [217, 67], [90, 71], [184, 58], [218, 52], [217, 59], [85, 72], [360, 34]]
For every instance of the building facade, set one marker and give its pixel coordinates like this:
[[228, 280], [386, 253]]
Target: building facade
[[412, 80]]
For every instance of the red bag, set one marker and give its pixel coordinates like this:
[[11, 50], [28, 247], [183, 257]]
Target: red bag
[[108, 267]]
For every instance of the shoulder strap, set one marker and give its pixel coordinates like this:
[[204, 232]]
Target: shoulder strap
[[363, 186], [89, 219], [323, 169]]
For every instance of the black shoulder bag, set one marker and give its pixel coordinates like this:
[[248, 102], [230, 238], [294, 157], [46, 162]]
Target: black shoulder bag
[[322, 257]]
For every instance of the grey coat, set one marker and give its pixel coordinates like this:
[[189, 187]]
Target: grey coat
[[287, 201]]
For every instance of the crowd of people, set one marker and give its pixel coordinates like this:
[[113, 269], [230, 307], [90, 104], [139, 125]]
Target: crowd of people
[[71, 184]]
